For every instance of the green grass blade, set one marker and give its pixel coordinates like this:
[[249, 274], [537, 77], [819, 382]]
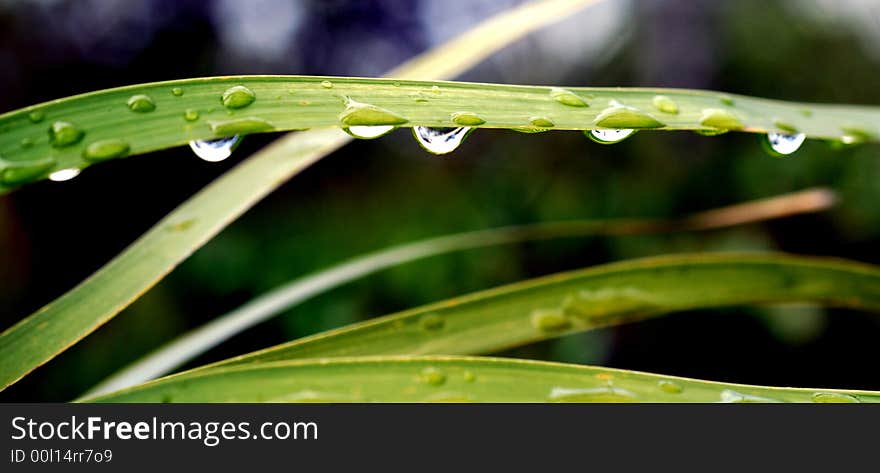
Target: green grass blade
[[302, 102], [454, 379], [55, 327], [610, 294], [188, 346]]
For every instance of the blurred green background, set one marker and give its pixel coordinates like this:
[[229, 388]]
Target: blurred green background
[[373, 194]]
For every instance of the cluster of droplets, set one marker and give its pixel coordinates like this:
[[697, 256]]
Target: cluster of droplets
[[613, 124]]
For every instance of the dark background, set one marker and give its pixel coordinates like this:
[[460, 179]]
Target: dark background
[[375, 193]]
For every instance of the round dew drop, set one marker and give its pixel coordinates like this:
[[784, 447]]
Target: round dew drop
[[432, 322], [542, 122], [369, 132], [782, 144], [64, 175], [191, 115], [103, 150], [607, 137], [215, 150], [549, 320], [326, 84], [670, 387], [177, 92], [440, 140], [141, 103], [63, 134], [467, 119], [36, 116], [665, 104], [238, 96], [432, 376]]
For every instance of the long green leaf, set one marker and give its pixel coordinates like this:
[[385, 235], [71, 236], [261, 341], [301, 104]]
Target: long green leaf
[[300, 102], [610, 294], [195, 342], [55, 327], [454, 379]]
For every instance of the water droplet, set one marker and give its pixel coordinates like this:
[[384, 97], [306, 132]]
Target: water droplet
[[806, 112], [469, 376], [26, 142], [731, 396], [619, 116], [440, 140], [432, 322], [854, 134], [326, 84], [781, 144], [63, 134], [182, 225], [670, 387], [362, 114], [607, 137], [665, 104], [432, 376], [435, 89], [103, 150], [240, 126], [529, 129], [64, 175], [215, 150], [542, 122], [721, 119], [36, 116], [419, 97], [467, 119], [191, 115], [567, 97], [726, 100], [177, 91], [601, 394], [834, 398], [141, 103], [238, 96], [15, 173], [549, 320], [369, 132]]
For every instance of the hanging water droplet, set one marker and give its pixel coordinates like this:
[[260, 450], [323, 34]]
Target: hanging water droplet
[[440, 140], [549, 320], [782, 144], [607, 137], [64, 175], [177, 91], [63, 134], [720, 119], [141, 103], [566, 97], [363, 114], [103, 150], [467, 119], [369, 132], [215, 150], [432, 322], [834, 398], [36, 116], [665, 104], [326, 84], [191, 115], [432, 376], [15, 173], [238, 96], [670, 387]]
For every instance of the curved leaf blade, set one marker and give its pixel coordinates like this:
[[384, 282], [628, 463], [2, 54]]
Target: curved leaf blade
[[610, 294], [453, 379]]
